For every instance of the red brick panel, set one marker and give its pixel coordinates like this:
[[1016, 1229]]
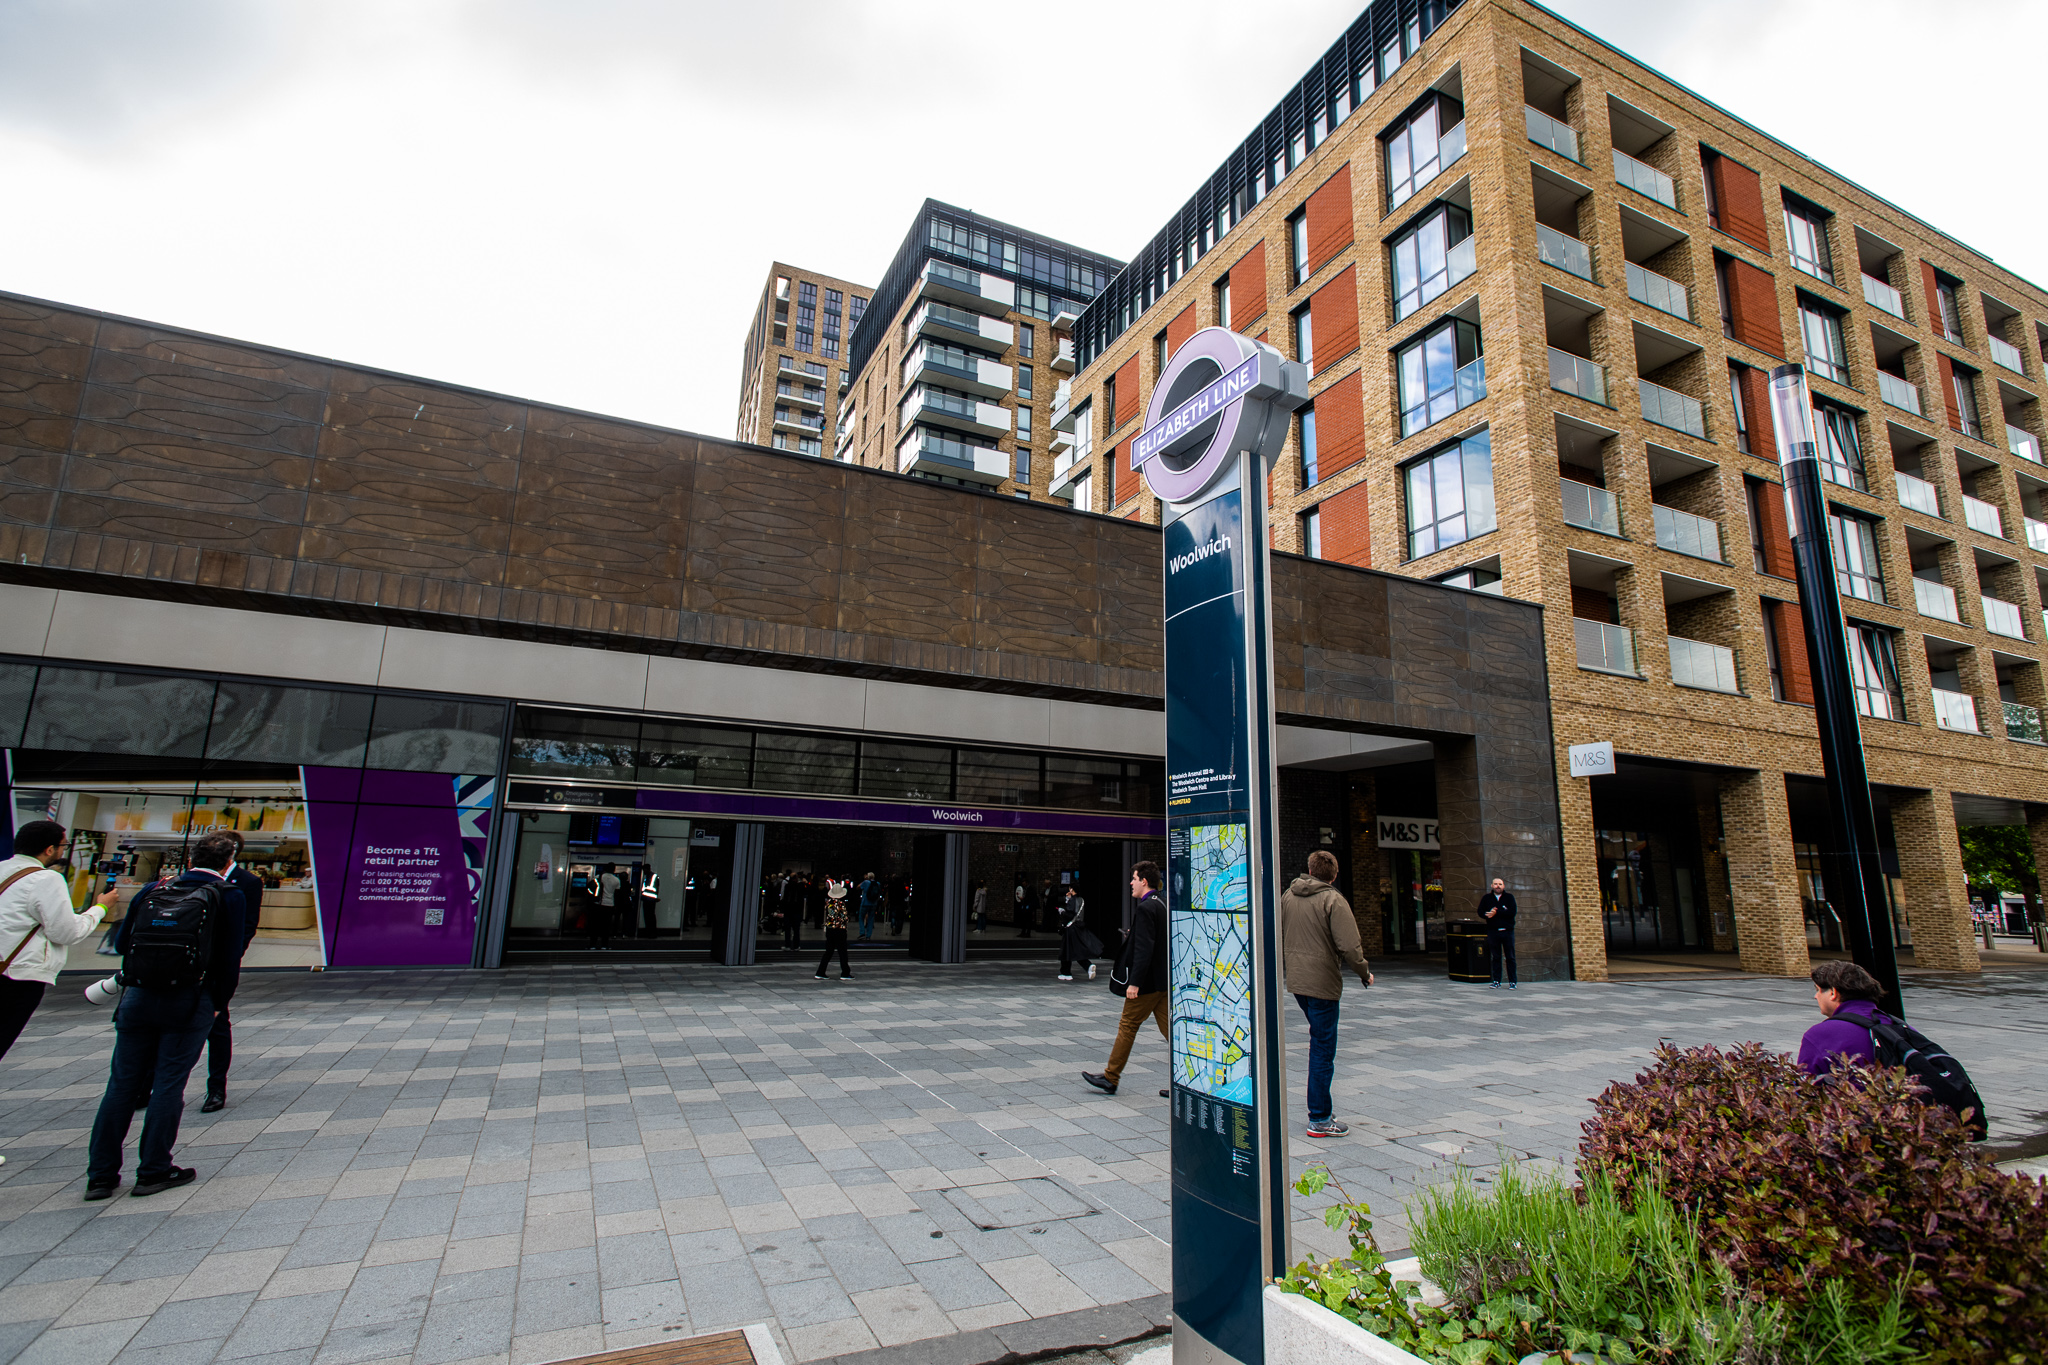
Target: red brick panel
[[1179, 330], [1739, 193], [1346, 522], [1248, 288], [1788, 633], [1126, 381], [1756, 407], [1775, 531], [1126, 476], [1927, 285], [1590, 604], [1333, 316], [1948, 389], [1330, 227], [1753, 308], [1340, 422]]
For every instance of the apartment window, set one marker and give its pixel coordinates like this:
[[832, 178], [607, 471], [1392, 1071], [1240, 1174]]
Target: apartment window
[[1754, 490], [1308, 447], [1450, 495], [806, 314], [1027, 340], [1023, 466], [1841, 454], [1806, 238], [1435, 381], [1109, 405], [1159, 354], [1857, 569], [828, 339], [1425, 262], [1774, 657], [1874, 673], [845, 380], [1023, 421], [1950, 319], [1223, 302], [1297, 247], [1024, 381], [1021, 496], [1084, 430], [1741, 411], [1312, 533], [1429, 139], [1084, 498], [1473, 577], [1965, 384], [1304, 338], [1721, 295], [1821, 328], [856, 308], [813, 367]]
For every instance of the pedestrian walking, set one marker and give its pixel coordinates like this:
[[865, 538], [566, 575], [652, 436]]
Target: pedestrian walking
[[1141, 972], [37, 924], [220, 1040], [870, 892], [650, 901], [1318, 935], [184, 948], [1853, 1031], [980, 910], [835, 929], [1024, 912], [1077, 944], [1497, 908]]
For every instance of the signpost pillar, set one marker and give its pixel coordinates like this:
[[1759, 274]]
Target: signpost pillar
[[1218, 417]]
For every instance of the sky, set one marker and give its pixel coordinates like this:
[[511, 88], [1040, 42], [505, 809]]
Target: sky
[[576, 201]]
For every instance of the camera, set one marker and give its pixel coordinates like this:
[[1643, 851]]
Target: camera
[[105, 991]]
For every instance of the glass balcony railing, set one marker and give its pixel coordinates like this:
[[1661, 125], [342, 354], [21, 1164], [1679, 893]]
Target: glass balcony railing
[[2003, 618], [2022, 443], [2007, 354], [1644, 180], [1467, 387], [1955, 710], [1688, 534], [2022, 722], [1695, 663], [1670, 409], [1568, 254], [1983, 516], [1916, 493], [1557, 135], [1883, 297], [1898, 392], [1664, 295], [1604, 648], [1936, 599], [1575, 374], [1590, 507], [2037, 535]]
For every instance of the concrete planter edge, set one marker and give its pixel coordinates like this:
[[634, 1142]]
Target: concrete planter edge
[[1300, 1331]]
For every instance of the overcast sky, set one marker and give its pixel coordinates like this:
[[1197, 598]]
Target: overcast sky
[[577, 202]]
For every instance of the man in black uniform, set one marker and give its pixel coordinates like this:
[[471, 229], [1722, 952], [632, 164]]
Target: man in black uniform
[[220, 1043], [1497, 908]]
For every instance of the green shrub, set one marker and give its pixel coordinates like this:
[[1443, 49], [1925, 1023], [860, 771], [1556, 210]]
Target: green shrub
[[1837, 1193]]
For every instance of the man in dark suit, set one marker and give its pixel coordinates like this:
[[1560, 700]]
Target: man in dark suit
[[1497, 908], [220, 1043]]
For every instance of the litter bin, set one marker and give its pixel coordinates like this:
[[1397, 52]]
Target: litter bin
[[1466, 939]]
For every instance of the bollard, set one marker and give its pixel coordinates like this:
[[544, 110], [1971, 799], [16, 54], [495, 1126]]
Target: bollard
[[1987, 936]]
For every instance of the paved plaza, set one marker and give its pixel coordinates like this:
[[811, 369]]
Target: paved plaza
[[528, 1165]]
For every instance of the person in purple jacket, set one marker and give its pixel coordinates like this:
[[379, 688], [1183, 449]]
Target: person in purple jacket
[[1842, 990]]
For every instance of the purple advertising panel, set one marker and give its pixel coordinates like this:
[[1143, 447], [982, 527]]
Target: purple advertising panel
[[397, 864], [759, 806]]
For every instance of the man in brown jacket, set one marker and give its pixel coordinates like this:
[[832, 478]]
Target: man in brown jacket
[[1317, 935]]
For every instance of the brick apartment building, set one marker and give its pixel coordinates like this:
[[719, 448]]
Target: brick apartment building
[[795, 372], [1540, 287], [955, 365]]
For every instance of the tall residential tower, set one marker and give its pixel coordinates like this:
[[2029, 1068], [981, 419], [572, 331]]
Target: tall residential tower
[[796, 372]]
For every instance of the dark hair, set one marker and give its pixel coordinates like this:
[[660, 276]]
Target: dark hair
[[1148, 873], [236, 836], [214, 852], [1322, 865], [1851, 980], [37, 836]]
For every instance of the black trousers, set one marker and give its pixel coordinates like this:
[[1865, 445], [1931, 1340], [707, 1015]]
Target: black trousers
[[648, 905], [18, 1000], [220, 1050], [835, 941], [1071, 951], [1500, 943], [792, 926]]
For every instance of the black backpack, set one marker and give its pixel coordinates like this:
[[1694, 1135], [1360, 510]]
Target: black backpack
[[1940, 1075], [173, 941]]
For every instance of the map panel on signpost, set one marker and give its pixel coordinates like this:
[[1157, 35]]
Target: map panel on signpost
[[1212, 965]]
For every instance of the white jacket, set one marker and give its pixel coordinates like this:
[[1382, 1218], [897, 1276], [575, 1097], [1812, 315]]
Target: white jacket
[[42, 898]]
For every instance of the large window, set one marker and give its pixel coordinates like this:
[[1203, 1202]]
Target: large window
[[1949, 313], [1821, 328], [1857, 567], [1874, 673], [1429, 139], [1439, 373], [1450, 495], [1841, 454], [1423, 264], [1312, 533], [1308, 447], [1027, 335], [1967, 420], [1806, 239], [1024, 381]]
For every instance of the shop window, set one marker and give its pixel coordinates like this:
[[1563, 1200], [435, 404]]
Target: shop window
[[435, 735], [261, 724], [906, 772], [819, 765], [695, 755], [123, 713], [1450, 496], [997, 777]]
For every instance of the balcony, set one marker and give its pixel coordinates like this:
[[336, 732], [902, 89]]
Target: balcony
[[1063, 406], [1883, 297], [1467, 387], [788, 365], [2022, 722], [1688, 534], [1546, 131], [1604, 648], [1899, 393], [2008, 355], [1669, 409], [932, 452], [1647, 181], [970, 289], [933, 362], [786, 420], [946, 323], [1568, 254], [957, 411], [802, 445], [2022, 443], [1937, 600], [1592, 508], [1577, 375], [2003, 618], [1955, 710], [1062, 439], [1664, 295], [1916, 493], [1695, 663], [1065, 470], [1982, 516], [811, 397], [1063, 355], [2037, 535]]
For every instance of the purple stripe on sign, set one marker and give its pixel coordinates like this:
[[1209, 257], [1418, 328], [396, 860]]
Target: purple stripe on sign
[[756, 806], [1197, 410]]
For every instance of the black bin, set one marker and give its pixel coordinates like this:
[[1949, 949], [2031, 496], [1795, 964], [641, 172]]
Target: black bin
[[1466, 940]]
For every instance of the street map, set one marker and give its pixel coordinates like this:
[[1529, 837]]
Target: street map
[[1212, 967]]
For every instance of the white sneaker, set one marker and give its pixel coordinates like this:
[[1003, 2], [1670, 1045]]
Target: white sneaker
[[1066, 978], [1091, 971]]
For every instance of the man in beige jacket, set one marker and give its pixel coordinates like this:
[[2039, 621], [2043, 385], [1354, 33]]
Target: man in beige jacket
[[1317, 936]]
